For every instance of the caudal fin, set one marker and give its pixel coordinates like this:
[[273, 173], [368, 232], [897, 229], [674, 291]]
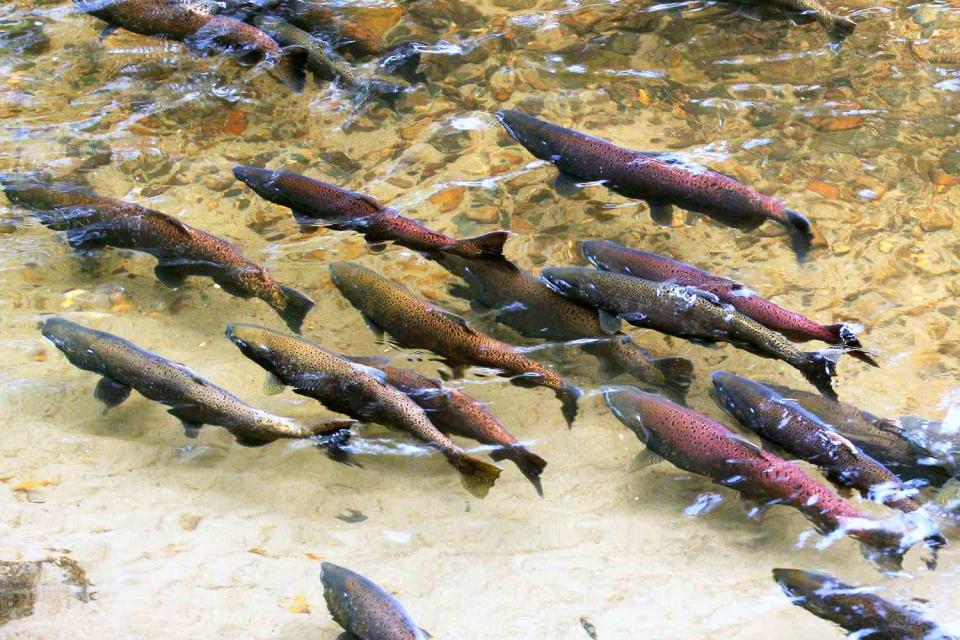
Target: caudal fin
[[290, 67], [819, 367], [295, 308], [841, 27], [800, 233], [568, 395], [848, 341], [677, 375], [487, 245], [530, 464], [476, 475], [335, 440]]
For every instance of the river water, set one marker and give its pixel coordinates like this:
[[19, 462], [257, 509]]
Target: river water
[[207, 538]]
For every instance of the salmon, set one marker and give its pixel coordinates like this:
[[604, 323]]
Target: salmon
[[414, 323], [454, 412], [316, 203], [356, 390], [611, 256], [317, 17], [686, 313], [663, 180], [836, 25], [92, 222], [523, 302], [202, 31], [193, 400], [695, 443], [365, 610]]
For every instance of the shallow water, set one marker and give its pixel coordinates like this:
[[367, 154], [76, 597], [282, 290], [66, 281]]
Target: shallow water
[[207, 538]]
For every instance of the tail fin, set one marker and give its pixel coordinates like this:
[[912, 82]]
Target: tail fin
[[849, 342], [387, 92], [819, 368], [530, 464], [335, 441], [677, 373], [800, 232], [487, 245], [841, 27], [569, 395], [290, 67], [476, 475], [403, 61], [295, 308]]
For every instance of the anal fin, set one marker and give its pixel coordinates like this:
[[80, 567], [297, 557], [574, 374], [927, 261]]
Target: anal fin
[[171, 276], [111, 393], [644, 459], [661, 213], [272, 385]]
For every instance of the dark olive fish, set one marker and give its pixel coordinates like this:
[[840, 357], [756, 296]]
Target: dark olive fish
[[836, 25], [801, 433], [880, 438], [523, 302], [320, 203], [193, 400], [202, 31], [611, 256], [92, 222], [416, 324], [317, 17], [661, 179], [697, 444], [364, 609], [453, 411], [685, 313], [356, 390], [856, 609]]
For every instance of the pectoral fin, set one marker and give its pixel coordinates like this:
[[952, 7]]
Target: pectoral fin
[[565, 185], [753, 507], [644, 459], [272, 385], [609, 323], [662, 214], [111, 393], [373, 326], [191, 429], [170, 276]]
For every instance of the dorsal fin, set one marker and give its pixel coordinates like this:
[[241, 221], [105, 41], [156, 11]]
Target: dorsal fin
[[746, 444], [155, 217], [452, 317]]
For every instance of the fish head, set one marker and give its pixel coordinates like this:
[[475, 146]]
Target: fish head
[[577, 283], [74, 340], [266, 182], [257, 343], [353, 280], [742, 397], [602, 254], [531, 132], [634, 408], [339, 584], [800, 584]]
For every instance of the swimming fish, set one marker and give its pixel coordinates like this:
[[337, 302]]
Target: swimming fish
[[356, 390], [856, 609], [193, 400], [523, 302], [416, 324], [800, 433], [453, 411], [201, 31], [611, 256], [686, 313], [92, 222], [661, 179], [836, 25], [695, 443], [364, 609], [320, 203], [315, 17]]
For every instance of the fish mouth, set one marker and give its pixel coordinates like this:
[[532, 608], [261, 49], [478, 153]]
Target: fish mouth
[[260, 180]]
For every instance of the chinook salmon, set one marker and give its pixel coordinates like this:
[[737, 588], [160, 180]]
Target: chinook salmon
[[453, 411], [365, 610], [315, 17], [611, 256], [661, 179], [880, 438], [194, 401], [523, 302], [92, 222], [316, 203], [800, 433], [695, 443], [685, 313], [416, 324], [861, 612], [836, 25], [202, 31], [355, 390]]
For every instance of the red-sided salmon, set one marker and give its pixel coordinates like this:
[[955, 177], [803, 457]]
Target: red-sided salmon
[[316, 203], [661, 179], [92, 222], [611, 256], [414, 323], [685, 313], [355, 390], [202, 31]]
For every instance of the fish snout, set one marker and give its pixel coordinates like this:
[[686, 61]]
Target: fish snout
[[65, 335], [260, 180]]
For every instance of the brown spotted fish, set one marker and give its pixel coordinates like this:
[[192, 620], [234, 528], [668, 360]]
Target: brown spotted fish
[[836, 25], [365, 610], [695, 443], [661, 179], [857, 609], [200, 30], [92, 222], [356, 390], [523, 302], [611, 256], [318, 17], [802, 434], [686, 313], [453, 411], [193, 400], [317, 203], [415, 324]]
